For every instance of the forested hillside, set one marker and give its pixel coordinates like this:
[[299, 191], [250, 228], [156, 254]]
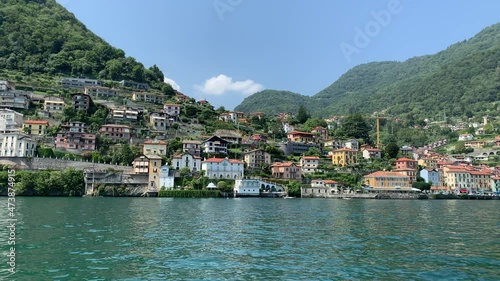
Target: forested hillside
[[462, 80], [41, 37]]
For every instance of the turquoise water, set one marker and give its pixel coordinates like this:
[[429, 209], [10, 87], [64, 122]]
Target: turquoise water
[[252, 239]]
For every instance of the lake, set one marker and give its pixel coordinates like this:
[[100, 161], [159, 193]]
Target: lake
[[252, 239]]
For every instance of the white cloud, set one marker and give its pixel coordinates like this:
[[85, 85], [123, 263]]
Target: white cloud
[[222, 84], [172, 83]]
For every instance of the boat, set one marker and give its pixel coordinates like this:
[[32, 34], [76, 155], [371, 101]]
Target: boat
[[288, 197]]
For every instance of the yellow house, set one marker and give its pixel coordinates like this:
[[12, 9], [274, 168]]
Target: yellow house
[[382, 179], [344, 156], [36, 127]]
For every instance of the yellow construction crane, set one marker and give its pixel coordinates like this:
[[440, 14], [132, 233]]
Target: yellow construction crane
[[378, 130]]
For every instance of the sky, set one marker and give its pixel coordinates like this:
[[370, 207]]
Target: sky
[[226, 50]]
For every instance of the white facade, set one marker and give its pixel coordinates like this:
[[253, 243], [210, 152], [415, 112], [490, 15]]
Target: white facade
[[54, 104], [166, 180], [465, 137], [247, 187], [172, 109], [17, 145], [10, 120], [223, 168], [180, 162], [352, 144], [370, 153]]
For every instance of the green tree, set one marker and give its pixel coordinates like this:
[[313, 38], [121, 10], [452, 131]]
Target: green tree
[[355, 126], [392, 150], [302, 115]]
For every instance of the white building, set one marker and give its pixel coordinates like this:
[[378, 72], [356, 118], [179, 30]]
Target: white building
[[247, 187], [309, 164], [53, 104], [186, 160], [10, 120], [223, 168], [465, 137], [166, 178], [17, 145], [172, 110], [371, 153], [215, 144], [352, 144]]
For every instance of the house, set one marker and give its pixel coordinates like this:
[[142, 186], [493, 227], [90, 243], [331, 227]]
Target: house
[[116, 131], [321, 132], [231, 136], [296, 147], [466, 178], [53, 104], [320, 188], [229, 117], [15, 99], [81, 102], [154, 147], [476, 143], [160, 121], [352, 144], [35, 127], [134, 85], [382, 179], [333, 144], [428, 162], [256, 158], [495, 184], [79, 83], [166, 178], [287, 127], [74, 137], [215, 145], [186, 160], [371, 153], [309, 164], [286, 170], [407, 167], [465, 137], [296, 136], [258, 138], [192, 147], [172, 110], [141, 165], [101, 92], [247, 187], [259, 114], [125, 114], [223, 168], [150, 165], [17, 145], [148, 97], [7, 86], [430, 176], [344, 156], [10, 120], [406, 150]]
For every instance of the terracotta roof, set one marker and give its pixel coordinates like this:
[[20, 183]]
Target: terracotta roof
[[386, 174], [37, 122], [405, 160], [180, 156], [219, 160], [115, 125], [310, 157], [155, 142], [330, 182], [480, 173], [345, 149], [298, 133], [192, 141], [282, 164], [373, 149]]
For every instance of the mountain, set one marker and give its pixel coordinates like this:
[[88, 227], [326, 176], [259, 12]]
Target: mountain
[[40, 37], [276, 101], [462, 80]]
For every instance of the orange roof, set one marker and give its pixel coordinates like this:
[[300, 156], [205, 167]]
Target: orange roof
[[310, 157], [330, 182], [345, 149], [180, 156], [298, 133], [284, 164], [374, 149], [36, 122], [219, 160], [155, 142], [405, 160], [480, 173], [172, 104], [385, 174]]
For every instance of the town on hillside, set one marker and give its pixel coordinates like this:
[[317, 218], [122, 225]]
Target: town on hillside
[[143, 141]]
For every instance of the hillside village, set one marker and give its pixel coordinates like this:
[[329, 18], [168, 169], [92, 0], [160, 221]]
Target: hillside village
[[171, 142]]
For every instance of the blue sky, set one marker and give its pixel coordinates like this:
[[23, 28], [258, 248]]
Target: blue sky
[[225, 50]]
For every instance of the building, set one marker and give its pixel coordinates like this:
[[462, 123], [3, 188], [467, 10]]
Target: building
[[333, 144], [286, 170], [344, 156], [321, 132], [160, 121], [296, 147], [154, 171], [79, 83], [296, 136], [7, 86], [215, 145], [495, 184], [15, 99], [172, 110], [497, 141], [35, 127], [309, 164], [125, 114], [406, 150], [134, 85], [320, 188], [231, 136], [166, 178], [430, 175], [192, 147], [372, 153], [101, 92], [257, 158], [408, 167], [116, 131], [17, 145], [352, 144], [53, 104], [223, 168], [465, 137], [382, 179], [10, 120], [74, 137], [155, 147], [148, 97], [186, 160], [81, 102], [428, 162], [141, 165]]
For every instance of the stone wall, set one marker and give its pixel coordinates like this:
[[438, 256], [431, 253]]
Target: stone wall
[[37, 163]]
